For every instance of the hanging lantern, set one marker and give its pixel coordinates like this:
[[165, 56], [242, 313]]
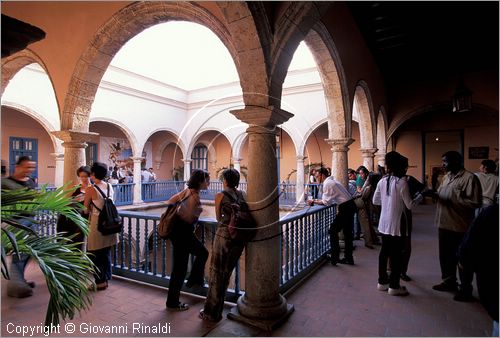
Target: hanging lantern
[[462, 99]]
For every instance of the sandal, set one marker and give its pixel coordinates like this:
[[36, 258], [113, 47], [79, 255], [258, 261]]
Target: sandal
[[204, 316], [180, 307], [101, 286]]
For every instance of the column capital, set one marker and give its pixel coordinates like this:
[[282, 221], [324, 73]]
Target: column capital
[[187, 160], [340, 144], [75, 139], [368, 151], [137, 159], [300, 158], [235, 159], [269, 116], [58, 156]]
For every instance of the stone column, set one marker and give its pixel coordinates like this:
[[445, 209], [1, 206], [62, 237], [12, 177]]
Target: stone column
[[74, 143], [262, 305], [137, 180], [187, 169], [368, 155], [299, 188], [380, 159], [59, 172], [340, 147], [237, 164]]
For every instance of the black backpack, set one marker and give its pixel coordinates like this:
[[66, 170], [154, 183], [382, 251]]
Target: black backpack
[[242, 226], [109, 222]]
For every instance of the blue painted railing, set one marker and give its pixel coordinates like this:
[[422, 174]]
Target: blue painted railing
[[123, 193], [304, 242], [161, 191], [141, 255]]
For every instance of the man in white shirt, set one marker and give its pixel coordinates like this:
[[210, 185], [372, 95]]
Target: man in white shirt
[[335, 193], [489, 181], [145, 175]]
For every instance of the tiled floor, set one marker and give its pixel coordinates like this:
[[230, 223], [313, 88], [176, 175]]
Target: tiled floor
[[336, 301]]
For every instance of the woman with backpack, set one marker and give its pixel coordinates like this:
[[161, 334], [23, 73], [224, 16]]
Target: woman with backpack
[[185, 242], [99, 245], [393, 194], [225, 251]]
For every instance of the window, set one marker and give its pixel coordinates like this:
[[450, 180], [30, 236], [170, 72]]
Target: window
[[91, 153], [200, 157], [20, 146]]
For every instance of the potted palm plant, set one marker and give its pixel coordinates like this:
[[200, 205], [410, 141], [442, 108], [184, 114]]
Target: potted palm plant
[[67, 270]]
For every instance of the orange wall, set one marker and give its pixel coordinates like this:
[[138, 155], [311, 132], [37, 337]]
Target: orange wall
[[479, 128], [63, 44], [354, 157], [288, 158], [171, 157], [15, 123]]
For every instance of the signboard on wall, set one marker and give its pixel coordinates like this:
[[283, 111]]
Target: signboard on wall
[[478, 153]]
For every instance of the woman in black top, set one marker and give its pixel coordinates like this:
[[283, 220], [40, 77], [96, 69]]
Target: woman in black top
[[68, 226]]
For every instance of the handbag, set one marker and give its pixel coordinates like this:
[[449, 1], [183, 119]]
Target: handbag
[[360, 204], [173, 215]]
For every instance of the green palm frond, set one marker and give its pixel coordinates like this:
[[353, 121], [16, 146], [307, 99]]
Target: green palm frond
[[23, 203], [67, 270]]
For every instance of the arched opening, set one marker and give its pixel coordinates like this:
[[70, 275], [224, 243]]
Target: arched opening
[[317, 151], [134, 20], [115, 147], [213, 150], [381, 137], [23, 135], [167, 156]]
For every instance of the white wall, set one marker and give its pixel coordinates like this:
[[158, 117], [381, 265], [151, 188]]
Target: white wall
[[31, 91]]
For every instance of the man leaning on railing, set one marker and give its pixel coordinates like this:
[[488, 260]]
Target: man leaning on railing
[[335, 193]]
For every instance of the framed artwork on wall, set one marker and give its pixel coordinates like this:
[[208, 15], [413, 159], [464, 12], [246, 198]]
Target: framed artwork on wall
[[479, 153]]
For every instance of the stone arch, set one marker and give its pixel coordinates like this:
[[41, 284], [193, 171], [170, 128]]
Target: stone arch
[[49, 128], [164, 144], [237, 145], [382, 130], [136, 148], [302, 147], [292, 137], [209, 145], [333, 79], [17, 61], [291, 28], [252, 38], [107, 41], [363, 105]]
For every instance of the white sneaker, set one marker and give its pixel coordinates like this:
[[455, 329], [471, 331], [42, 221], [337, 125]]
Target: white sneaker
[[399, 292], [382, 287]]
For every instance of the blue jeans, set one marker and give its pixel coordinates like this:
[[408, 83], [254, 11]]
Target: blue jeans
[[20, 262], [495, 329]]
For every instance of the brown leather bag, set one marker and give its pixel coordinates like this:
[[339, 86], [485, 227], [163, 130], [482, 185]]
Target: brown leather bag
[[172, 217]]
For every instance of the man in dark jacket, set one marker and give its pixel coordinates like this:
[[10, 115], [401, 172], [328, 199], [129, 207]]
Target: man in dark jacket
[[479, 253], [21, 178]]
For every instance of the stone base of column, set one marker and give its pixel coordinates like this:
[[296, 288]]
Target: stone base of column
[[264, 324]]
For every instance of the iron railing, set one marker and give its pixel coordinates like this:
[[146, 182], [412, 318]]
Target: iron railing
[[123, 193], [143, 256], [161, 191], [304, 243]]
